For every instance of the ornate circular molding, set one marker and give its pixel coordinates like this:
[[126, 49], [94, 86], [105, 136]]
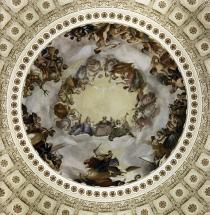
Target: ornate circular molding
[[180, 184], [121, 17]]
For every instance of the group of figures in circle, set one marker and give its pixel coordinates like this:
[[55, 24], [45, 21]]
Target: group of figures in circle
[[104, 104]]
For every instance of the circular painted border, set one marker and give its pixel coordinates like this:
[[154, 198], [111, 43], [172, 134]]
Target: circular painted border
[[154, 179]]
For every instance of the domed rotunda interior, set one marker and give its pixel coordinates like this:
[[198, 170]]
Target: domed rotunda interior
[[104, 107]]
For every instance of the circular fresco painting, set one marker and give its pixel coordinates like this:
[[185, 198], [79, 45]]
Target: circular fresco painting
[[104, 104]]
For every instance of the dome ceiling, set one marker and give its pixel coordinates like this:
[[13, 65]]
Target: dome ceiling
[[84, 50]]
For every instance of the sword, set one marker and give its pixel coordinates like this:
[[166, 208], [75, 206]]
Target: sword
[[96, 149]]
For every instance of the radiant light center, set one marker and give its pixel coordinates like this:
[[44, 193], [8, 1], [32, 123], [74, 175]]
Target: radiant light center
[[105, 99]]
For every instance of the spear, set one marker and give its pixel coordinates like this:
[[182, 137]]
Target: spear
[[146, 160]]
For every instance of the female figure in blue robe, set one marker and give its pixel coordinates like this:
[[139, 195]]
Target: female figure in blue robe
[[84, 128]]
